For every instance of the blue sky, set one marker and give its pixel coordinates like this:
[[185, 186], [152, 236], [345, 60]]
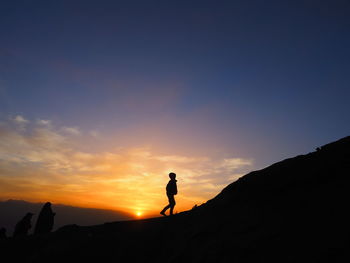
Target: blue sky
[[260, 80]]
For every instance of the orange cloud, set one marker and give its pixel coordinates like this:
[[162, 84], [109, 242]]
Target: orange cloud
[[41, 162]]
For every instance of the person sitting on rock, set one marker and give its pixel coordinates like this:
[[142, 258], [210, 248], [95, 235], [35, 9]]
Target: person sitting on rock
[[23, 226], [45, 221], [171, 191]]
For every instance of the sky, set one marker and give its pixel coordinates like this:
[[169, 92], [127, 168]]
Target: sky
[[100, 100]]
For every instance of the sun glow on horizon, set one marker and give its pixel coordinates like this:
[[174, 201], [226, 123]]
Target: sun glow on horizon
[[138, 213], [42, 161]]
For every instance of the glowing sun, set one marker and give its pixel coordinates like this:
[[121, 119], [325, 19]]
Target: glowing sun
[[138, 213]]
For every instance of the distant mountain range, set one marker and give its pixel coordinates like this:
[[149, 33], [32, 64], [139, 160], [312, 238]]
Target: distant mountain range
[[11, 211], [296, 210]]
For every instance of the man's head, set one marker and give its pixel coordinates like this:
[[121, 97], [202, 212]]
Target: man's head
[[172, 176]]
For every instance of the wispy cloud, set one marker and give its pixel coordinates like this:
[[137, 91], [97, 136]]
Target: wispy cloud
[[44, 122], [71, 130], [20, 119], [94, 133], [42, 162]]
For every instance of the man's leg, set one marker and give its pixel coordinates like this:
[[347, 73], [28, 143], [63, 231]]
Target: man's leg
[[172, 203], [164, 209]]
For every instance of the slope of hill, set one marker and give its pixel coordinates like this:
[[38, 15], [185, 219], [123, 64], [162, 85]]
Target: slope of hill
[[12, 211], [293, 211]]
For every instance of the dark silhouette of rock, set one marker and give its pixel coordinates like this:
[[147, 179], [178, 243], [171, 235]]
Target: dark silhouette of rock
[[23, 226], [171, 191], [3, 233], [293, 211], [45, 221]]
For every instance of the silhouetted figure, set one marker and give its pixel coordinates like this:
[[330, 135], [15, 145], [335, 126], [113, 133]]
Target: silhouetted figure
[[23, 226], [45, 221], [171, 190], [3, 233]]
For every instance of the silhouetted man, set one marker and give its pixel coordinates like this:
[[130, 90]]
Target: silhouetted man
[[45, 221], [23, 226], [171, 190]]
